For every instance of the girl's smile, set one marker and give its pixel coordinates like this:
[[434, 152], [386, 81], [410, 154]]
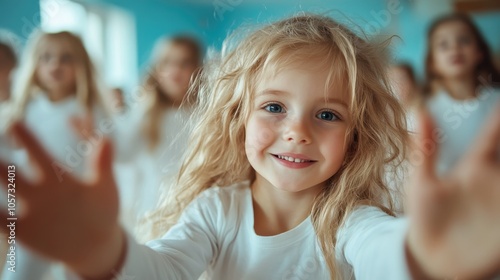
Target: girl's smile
[[294, 160]]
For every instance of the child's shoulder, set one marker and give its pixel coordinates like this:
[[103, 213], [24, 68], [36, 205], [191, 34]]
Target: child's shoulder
[[223, 204], [234, 193], [226, 201]]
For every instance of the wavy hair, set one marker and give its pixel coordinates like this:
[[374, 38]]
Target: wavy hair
[[216, 154]]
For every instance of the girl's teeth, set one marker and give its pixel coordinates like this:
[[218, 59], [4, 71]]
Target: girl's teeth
[[291, 159]]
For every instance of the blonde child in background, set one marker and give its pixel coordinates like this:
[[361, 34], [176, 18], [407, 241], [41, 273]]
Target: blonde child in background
[[154, 136], [283, 179], [462, 84], [56, 83]]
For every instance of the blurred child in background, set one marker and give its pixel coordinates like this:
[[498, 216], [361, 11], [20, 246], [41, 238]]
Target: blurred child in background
[[56, 83], [154, 137], [461, 84], [404, 84]]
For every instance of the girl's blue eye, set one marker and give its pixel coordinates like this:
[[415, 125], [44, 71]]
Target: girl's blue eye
[[327, 116], [274, 108]]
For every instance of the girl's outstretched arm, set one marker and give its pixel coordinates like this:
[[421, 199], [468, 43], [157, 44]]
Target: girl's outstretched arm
[[455, 220], [66, 219], [76, 223]]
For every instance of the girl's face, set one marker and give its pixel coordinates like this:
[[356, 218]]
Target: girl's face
[[174, 71], [56, 69], [454, 50], [296, 134]]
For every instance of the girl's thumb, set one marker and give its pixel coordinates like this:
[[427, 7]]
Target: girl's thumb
[[426, 144], [104, 162]]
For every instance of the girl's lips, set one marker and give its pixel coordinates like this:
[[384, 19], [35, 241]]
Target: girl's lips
[[303, 163], [457, 60], [295, 156]]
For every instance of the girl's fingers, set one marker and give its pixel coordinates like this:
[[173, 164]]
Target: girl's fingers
[[4, 215], [76, 125], [20, 186], [488, 143], [426, 147], [427, 195], [104, 163], [42, 160]]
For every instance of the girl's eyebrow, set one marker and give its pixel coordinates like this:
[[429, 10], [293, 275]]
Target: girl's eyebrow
[[272, 92], [281, 92], [333, 101]]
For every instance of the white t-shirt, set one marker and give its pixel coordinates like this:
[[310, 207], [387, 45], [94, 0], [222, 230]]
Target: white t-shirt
[[459, 122], [215, 239]]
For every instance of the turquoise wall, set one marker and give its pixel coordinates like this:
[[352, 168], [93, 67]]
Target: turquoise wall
[[212, 20]]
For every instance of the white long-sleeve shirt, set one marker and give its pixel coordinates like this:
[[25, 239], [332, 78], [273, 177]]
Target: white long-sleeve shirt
[[215, 239]]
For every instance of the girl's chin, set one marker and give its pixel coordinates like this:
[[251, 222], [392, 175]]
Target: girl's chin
[[293, 187]]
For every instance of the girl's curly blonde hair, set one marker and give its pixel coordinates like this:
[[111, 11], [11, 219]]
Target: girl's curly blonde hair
[[216, 154]]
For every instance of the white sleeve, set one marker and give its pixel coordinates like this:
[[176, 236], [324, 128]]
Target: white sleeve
[[184, 252], [373, 243]]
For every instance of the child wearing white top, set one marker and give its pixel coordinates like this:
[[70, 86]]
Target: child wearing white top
[[153, 135], [56, 83], [284, 179], [460, 90]]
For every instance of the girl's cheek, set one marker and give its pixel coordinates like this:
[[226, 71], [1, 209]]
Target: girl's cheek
[[260, 134]]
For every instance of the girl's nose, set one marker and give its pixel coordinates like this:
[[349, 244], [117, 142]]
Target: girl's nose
[[54, 63], [298, 132]]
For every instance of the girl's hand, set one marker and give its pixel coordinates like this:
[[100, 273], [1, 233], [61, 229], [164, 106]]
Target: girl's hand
[[66, 219], [455, 220]]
